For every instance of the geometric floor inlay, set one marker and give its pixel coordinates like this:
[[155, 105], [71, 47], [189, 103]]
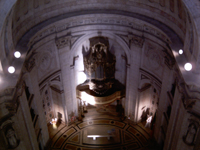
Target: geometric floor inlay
[[124, 136]]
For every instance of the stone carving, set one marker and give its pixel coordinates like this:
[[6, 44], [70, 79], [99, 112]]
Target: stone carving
[[189, 91], [153, 57], [154, 60], [189, 137], [62, 42], [30, 62], [189, 97], [136, 40], [11, 138], [116, 21], [20, 89], [9, 133], [7, 92], [45, 62]]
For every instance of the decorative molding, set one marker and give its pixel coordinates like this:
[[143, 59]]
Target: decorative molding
[[50, 77], [98, 20], [7, 92], [57, 90], [154, 80], [63, 42], [45, 61], [74, 60], [20, 88], [74, 39], [191, 133], [189, 97], [30, 62], [56, 78], [154, 56], [188, 103], [136, 40], [189, 91], [125, 38]]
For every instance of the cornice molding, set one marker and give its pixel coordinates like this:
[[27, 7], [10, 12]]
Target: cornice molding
[[103, 20]]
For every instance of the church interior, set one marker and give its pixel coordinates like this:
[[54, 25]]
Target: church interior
[[100, 75]]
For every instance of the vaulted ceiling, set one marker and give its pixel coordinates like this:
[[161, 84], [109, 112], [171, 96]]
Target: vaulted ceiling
[[20, 20]]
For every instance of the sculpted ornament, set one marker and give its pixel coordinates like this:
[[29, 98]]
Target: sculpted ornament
[[11, 138], [63, 41], [136, 40], [189, 137], [30, 62], [10, 135], [45, 60], [189, 97], [153, 58]]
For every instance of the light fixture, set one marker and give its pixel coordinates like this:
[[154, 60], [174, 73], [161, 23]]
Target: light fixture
[[11, 69], [17, 54], [180, 51], [188, 66]]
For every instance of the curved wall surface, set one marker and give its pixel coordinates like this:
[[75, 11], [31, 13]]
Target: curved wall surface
[[144, 37]]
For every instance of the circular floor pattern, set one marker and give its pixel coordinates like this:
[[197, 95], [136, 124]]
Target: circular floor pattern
[[123, 136]]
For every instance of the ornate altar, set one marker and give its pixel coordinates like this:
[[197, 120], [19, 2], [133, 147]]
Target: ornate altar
[[100, 87]]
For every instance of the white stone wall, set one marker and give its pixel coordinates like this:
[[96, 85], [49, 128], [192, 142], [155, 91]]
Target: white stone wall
[[55, 60]]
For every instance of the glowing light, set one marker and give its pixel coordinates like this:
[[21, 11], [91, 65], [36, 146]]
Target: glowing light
[[88, 98], [180, 51], [11, 69], [53, 122], [81, 77], [188, 66], [17, 54]]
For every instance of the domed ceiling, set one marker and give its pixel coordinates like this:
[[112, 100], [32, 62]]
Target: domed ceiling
[[175, 18]]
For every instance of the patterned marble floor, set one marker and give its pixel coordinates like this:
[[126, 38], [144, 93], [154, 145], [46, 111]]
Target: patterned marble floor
[[126, 136]]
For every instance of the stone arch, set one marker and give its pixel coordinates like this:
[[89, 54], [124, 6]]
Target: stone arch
[[149, 81]]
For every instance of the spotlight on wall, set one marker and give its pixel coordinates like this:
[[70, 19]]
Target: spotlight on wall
[[17, 54], [11, 69], [188, 66], [180, 51]]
